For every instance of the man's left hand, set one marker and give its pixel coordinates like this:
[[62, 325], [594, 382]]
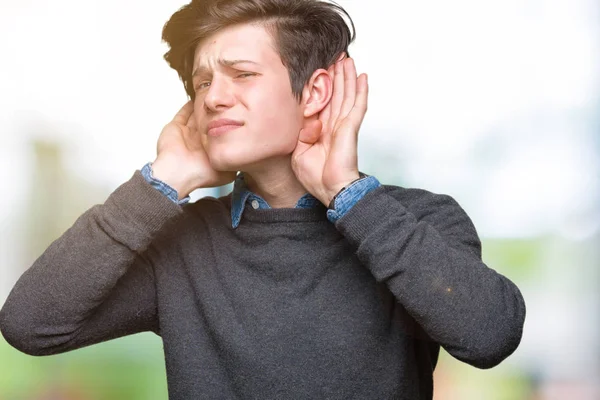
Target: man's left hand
[[325, 159]]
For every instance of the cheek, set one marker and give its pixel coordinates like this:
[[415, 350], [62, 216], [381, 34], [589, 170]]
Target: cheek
[[281, 132], [199, 112], [280, 117]]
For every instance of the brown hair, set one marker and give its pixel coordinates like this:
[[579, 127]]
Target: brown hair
[[309, 34]]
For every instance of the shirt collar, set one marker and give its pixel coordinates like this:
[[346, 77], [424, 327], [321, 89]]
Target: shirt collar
[[241, 195]]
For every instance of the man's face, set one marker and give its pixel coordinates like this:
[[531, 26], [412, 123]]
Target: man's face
[[238, 75]]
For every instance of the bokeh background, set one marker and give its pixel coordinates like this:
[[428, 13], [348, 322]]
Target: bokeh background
[[494, 102]]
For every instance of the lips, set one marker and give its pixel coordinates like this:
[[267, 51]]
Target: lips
[[223, 122], [220, 126]]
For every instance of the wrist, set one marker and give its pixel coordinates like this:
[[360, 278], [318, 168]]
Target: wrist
[[340, 188], [169, 173]]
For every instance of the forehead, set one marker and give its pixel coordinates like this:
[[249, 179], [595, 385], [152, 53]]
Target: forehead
[[238, 42]]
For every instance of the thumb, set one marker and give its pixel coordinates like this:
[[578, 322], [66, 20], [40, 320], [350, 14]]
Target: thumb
[[311, 132]]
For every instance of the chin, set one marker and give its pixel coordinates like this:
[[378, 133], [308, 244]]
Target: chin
[[229, 161], [225, 157], [224, 166]]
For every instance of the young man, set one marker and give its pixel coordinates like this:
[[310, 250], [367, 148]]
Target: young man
[[310, 280]]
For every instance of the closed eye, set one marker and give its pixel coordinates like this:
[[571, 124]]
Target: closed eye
[[204, 85]]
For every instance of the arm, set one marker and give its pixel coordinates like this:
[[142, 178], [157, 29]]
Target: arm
[[425, 248], [94, 282]]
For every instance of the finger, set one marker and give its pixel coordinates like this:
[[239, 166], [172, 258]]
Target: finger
[[349, 88], [357, 114], [192, 136], [346, 142], [311, 132], [191, 123], [183, 115], [309, 135], [338, 95], [324, 117], [325, 113]]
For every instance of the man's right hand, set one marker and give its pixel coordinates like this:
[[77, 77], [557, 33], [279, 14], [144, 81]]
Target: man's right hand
[[181, 161]]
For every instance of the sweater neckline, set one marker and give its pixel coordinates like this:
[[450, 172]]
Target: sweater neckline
[[313, 214], [317, 213]]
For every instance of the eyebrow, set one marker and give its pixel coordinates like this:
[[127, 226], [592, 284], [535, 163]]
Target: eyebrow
[[228, 63]]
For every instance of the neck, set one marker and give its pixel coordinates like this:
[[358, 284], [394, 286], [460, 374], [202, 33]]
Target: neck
[[276, 183]]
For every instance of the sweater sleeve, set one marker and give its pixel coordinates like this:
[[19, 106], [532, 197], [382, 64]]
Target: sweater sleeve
[[94, 283], [427, 251]]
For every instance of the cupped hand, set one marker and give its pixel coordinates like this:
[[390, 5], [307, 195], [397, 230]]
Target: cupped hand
[[326, 158], [182, 161]]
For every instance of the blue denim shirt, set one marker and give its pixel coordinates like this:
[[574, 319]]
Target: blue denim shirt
[[241, 196], [161, 186]]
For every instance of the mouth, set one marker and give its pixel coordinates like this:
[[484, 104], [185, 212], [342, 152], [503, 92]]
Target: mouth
[[221, 126], [220, 130]]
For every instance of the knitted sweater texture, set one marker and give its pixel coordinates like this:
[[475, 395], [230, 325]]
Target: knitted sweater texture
[[285, 306]]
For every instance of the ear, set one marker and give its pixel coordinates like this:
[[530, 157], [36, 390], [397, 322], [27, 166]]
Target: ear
[[317, 93]]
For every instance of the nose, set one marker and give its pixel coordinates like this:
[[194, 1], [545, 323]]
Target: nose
[[219, 95]]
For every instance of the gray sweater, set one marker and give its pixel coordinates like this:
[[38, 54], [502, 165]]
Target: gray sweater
[[286, 306]]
